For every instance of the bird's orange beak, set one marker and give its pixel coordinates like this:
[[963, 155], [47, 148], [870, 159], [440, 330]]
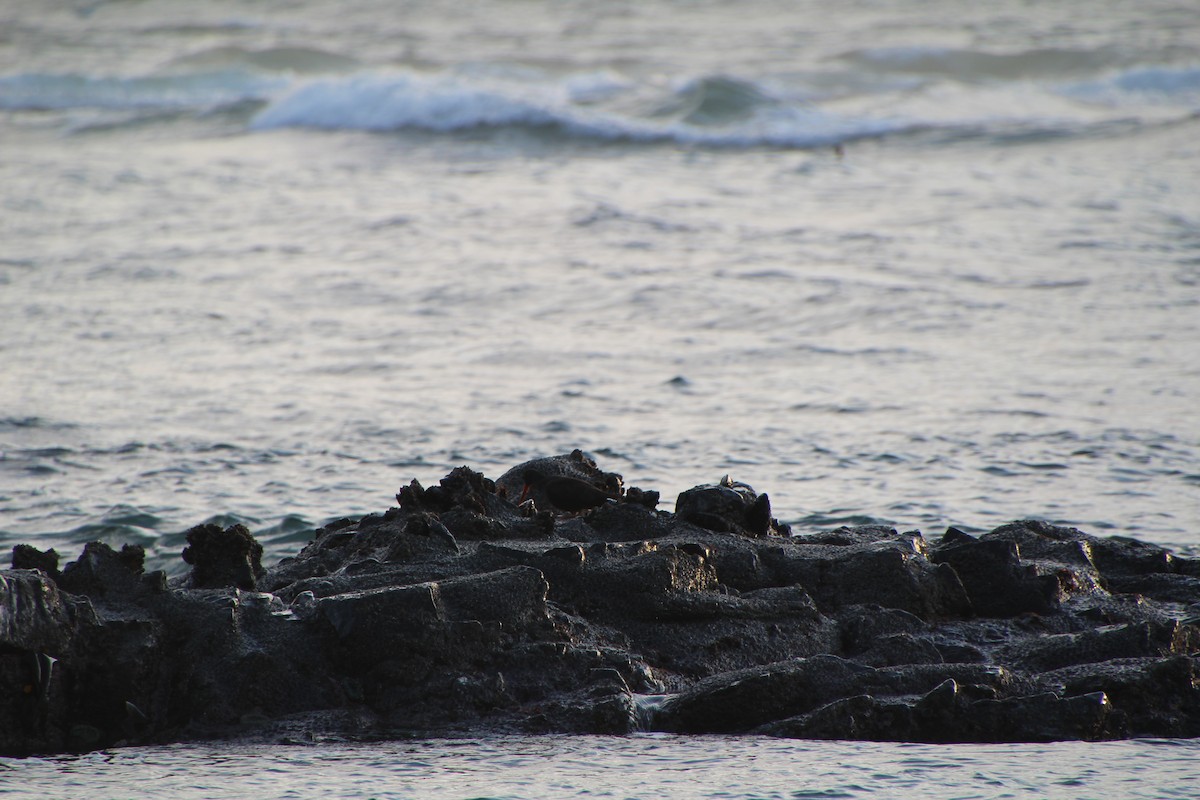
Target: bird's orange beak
[[524, 494]]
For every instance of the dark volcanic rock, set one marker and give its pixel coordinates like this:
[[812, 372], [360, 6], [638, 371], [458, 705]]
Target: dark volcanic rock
[[101, 571], [229, 557], [28, 557], [464, 610]]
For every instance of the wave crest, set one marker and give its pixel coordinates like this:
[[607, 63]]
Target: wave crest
[[877, 92], [711, 110]]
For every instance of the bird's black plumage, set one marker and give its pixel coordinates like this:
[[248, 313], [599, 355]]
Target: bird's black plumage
[[563, 492]]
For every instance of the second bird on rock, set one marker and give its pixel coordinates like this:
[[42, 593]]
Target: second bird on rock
[[565, 494]]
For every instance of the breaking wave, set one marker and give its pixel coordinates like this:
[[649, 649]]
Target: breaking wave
[[709, 111], [877, 93]]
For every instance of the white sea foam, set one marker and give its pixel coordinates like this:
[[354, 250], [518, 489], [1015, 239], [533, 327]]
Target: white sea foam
[[705, 110], [388, 101], [385, 101], [711, 110]]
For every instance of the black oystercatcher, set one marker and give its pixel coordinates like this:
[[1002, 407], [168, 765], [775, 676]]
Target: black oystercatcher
[[565, 494]]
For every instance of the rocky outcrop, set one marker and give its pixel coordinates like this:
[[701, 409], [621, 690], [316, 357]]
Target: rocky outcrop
[[465, 610]]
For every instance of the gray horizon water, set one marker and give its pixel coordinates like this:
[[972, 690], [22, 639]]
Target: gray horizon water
[[912, 264]]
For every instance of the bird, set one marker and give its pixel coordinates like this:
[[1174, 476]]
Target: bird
[[566, 494]]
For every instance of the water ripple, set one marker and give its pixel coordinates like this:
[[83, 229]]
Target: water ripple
[[643, 766]]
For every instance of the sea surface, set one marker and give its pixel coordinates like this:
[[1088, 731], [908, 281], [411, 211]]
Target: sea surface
[[913, 263], [648, 767]]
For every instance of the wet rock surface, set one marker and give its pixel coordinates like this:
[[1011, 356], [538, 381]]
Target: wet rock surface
[[469, 608]]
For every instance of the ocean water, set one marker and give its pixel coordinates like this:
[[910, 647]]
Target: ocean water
[[922, 264], [644, 766]]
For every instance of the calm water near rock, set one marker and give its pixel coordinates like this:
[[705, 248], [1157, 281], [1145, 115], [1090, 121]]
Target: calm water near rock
[[631, 767], [924, 266]]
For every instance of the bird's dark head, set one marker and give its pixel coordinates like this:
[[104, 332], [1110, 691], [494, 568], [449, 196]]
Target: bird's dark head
[[532, 478]]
